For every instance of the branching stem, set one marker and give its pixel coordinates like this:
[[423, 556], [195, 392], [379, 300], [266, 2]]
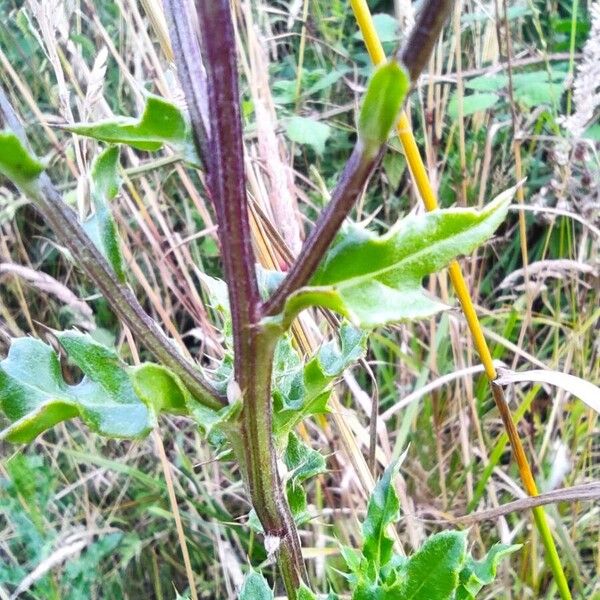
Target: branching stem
[[67, 228], [352, 182]]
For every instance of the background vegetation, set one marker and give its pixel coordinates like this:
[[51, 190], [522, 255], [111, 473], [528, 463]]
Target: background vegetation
[[509, 93]]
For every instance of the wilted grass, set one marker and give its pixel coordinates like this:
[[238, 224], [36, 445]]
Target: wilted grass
[[85, 518]]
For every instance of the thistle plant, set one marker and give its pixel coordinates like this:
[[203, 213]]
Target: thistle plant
[[264, 389]]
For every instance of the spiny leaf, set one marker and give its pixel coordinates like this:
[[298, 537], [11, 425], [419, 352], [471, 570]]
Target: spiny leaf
[[383, 509], [433, 571], [161, 123], [333, 360], [376, 280], [303, 390], [101, 226], [303, 463], [214, 423], [255, 588], [16, 162], [382, 102], [34, 395], [304, 593], [477, 573]]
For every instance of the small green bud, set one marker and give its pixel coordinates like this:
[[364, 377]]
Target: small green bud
[[16, 162], [383, 100]]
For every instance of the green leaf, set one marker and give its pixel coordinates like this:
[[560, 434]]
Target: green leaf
[[16, 162], [382, 102], [477, 573], [328, 78], [373, 280], [386, 26], [157, 386], [331, 360], [538, 88], [101, 226], [592, 132], [303, 390], [34, 395], [161, 123], [367, 590], [210, 420], [304, 593], [513, 12], [487, 83], [433, 571], [382, 511], [302, 463], [472, 103], [394, 164], [255, 588], [353, 558], [304, 130]]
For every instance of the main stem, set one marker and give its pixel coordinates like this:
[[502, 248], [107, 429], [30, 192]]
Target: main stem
[[253, 345]]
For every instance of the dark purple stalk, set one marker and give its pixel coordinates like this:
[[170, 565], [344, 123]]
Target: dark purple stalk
[[253, 347], [224, 155], [361, 165], [416, 52]]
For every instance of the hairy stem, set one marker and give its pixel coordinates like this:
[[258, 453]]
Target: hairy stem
[[253, 346], [67, 228]]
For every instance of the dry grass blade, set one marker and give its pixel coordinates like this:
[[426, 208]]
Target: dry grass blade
[[69, 547], [578, 493], [47, 284]]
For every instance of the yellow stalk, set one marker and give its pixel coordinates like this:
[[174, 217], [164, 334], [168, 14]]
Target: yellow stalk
[[421, 179]]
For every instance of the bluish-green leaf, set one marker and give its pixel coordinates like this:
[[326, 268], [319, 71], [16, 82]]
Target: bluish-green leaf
[[304, 593], [255, 588], [478, 573], [381, 104], [16, 162], [472, 103], [433, 571], [386, 26], [487, 83], [302, 390], [383, 510], [35, 397], [101, 226], [537, 88], [304, 130], [373, 280], [214, 423], [157, 386], [161, 123], [302, 463]]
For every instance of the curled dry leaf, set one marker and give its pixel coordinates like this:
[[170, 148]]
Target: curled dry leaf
[[584, 390]]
